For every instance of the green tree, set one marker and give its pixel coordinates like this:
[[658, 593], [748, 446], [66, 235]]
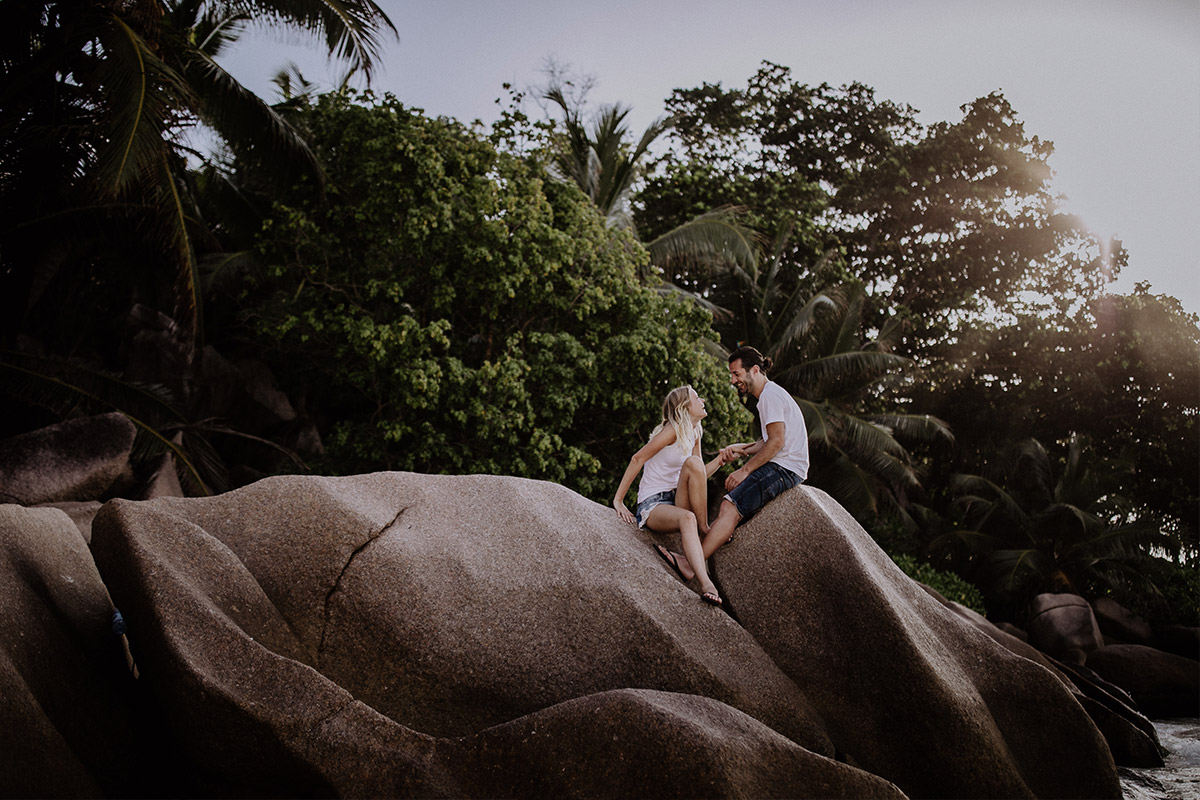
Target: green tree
[[98, 209], [449, 310], [858, 444], [1036, 525], [1123, 371], [946, 225], [601, 161], [780, 150]]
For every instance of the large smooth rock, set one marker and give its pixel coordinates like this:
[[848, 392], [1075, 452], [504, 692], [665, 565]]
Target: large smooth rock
[[1162, 684], [73, 461], [398, 634], [66, 728], [1130, 736], [1180, 640], [1064, 627], [909, 690], [81, 512], [1120, 625]]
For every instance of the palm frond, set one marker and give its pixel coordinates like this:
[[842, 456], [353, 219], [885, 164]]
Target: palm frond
[[846, 338], [973, 540], [866, 438], [1015, 568], [719, 313], [797, 324], [976, 492], [714, 238], [915, 427], [816, 420], [850, 485], [188, 311], [254, 130], [353, 30], [79, 387], [140, 93], [214, 26], [859, 365]]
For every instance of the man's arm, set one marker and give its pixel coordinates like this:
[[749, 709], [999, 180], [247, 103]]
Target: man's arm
[[766, 450]]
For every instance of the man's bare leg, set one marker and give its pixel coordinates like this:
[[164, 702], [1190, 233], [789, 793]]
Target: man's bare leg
[[718, 534], [720, 531]]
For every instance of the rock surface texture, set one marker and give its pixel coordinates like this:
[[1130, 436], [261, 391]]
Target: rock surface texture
[[1064, 626], [64, 683], [1163, 685], [72, 461], [410, 635]]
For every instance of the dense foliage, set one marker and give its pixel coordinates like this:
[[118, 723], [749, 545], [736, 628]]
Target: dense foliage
[[450, 309], [97, 204], [947, 584], [382, 290], [1122, 372], [946, 225]]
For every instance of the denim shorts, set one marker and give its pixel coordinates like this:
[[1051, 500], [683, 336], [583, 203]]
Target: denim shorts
[[644, 507], [764, 484]]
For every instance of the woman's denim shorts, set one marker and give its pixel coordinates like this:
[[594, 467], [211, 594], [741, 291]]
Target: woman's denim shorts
[[764, 484], [644, 507]]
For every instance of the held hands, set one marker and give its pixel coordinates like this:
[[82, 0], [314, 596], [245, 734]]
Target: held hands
[[735, 477], [732, 453]]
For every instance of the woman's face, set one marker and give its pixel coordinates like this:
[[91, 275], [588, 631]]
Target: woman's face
[[695, 405]]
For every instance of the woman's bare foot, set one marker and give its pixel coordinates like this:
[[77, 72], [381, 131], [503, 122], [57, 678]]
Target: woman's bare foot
[[711, 596], [680, 564], [683, 565]]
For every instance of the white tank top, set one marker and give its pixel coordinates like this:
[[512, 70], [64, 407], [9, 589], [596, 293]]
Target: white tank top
[[661, 472]]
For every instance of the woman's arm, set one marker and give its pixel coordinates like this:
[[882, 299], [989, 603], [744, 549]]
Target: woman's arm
[[733, 452], [638, 460], [713, 465]]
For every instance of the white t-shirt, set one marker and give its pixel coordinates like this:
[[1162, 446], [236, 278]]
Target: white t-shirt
[[661, 472], [776, 405]]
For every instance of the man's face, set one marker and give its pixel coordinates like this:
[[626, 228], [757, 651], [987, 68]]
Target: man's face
[[740, 377]]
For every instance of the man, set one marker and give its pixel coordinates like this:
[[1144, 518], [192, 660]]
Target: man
[[778, 460]]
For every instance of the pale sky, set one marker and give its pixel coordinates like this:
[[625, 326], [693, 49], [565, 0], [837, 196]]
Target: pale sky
[[1115, 85]]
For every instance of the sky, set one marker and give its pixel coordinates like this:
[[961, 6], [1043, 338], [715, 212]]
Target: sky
[[1114, 85]]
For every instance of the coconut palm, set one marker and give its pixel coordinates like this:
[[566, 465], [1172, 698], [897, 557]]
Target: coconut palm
[[98, 96], [601, 162], [1046, 527], [98, 211]]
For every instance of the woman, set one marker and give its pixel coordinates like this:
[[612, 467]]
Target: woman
[[673, 493]]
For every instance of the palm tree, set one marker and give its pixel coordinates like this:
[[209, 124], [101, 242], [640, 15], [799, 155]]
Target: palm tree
[[601, 162], [1043, 527], [98, 207], [98, 94]]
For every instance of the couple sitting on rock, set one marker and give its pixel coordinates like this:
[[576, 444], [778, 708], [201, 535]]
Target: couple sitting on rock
[[673, 493]]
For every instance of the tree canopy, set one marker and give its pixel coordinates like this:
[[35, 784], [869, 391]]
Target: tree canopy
[[451, 310], [946, 225]]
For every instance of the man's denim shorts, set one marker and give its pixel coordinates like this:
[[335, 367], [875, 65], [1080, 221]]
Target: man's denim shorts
[[644, 507], [764, 484]]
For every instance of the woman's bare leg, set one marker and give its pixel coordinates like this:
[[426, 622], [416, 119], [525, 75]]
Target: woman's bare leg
[[666, 518], [692, 491]]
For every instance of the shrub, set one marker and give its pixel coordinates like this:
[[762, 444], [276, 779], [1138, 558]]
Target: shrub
[[947, 584]]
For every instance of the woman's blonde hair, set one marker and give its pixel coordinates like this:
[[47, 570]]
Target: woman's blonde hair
[[675, 413]]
